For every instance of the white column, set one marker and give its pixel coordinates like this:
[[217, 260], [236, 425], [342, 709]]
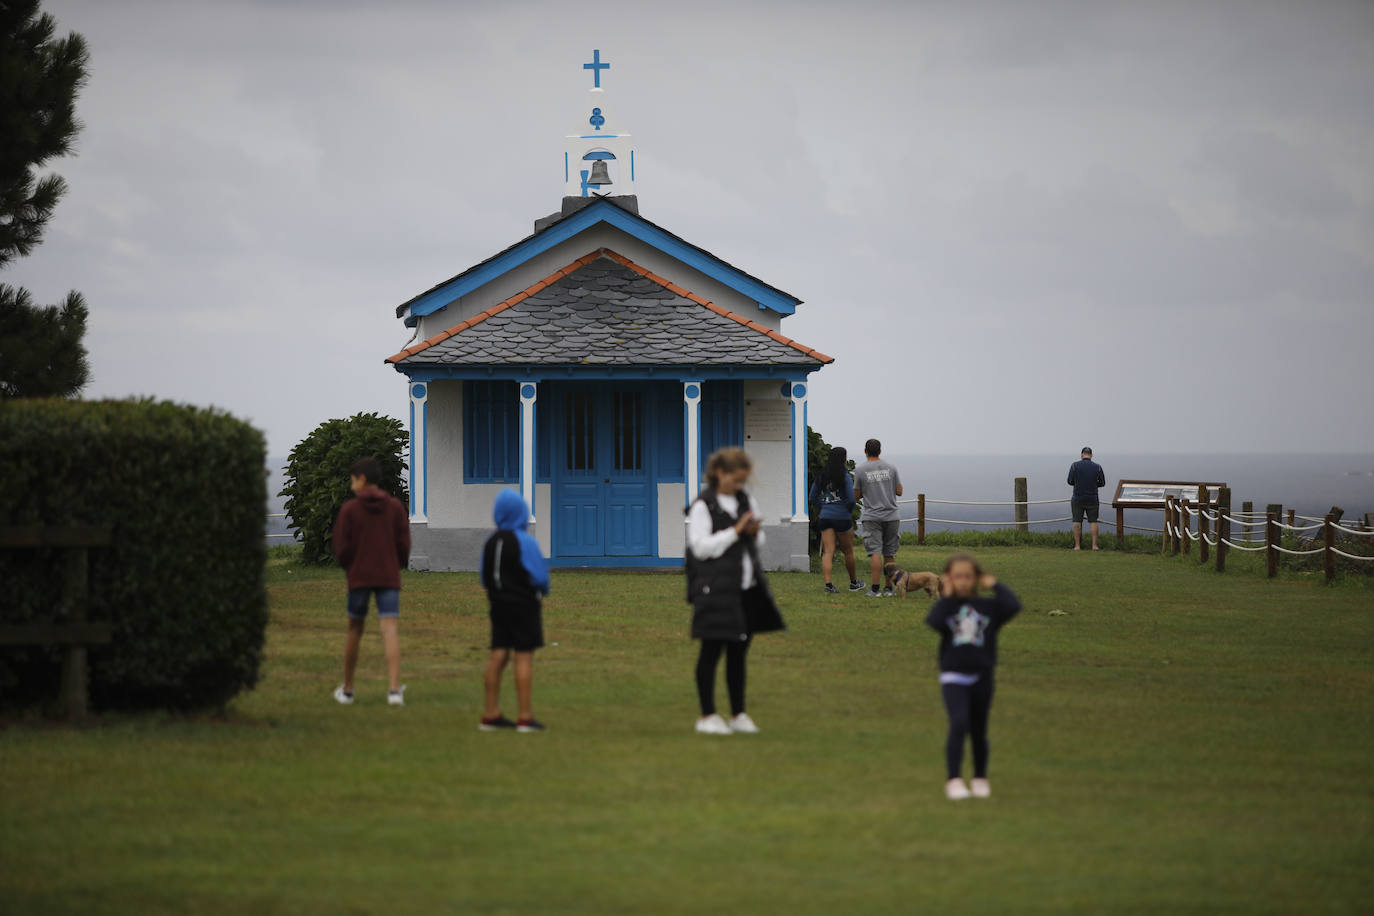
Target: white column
[[419, 452], [529, 393], [691, 465], [799, 452]]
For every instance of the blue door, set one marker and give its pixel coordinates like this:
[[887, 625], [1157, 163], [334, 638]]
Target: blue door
[[603, 491]]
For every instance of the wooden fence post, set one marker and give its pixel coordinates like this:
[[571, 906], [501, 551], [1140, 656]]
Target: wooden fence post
[[1328, 544], [920, 518], [1185, 525], [1292, 518], [1247, 509], [1168, 521], [1120, 527], [72, 692], [1271, 539], [1022, 510], [1202, 524], [1223, 526], [1178, 528], [1175, 534]]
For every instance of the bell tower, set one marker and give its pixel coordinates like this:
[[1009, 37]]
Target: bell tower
[[599, 159]]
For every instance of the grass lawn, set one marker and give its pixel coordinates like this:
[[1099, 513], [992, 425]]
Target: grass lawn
[[1177, 741]]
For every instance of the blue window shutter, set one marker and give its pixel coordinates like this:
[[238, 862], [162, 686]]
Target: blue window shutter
[[491, 432], [722, 416]]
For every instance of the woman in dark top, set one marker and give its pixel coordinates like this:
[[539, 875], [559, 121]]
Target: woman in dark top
[[834, 490], [968, 624]]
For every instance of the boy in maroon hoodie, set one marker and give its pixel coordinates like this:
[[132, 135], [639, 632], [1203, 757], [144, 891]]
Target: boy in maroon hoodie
[[372, 543]]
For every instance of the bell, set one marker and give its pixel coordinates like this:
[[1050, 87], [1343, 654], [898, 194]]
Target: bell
[[599, 174]]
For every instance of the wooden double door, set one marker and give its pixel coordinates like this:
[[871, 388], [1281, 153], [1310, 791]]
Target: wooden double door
[[604, 495]]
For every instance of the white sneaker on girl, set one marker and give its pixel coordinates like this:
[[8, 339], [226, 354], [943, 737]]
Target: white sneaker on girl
[[713, 725], [955, 790], [980, 788], [743, 724]]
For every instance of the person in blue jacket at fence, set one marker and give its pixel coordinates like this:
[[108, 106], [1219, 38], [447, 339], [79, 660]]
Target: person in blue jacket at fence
[[834, 491], [1086, 478]]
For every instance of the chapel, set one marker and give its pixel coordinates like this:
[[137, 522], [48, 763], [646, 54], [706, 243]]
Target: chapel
[[594, 365]]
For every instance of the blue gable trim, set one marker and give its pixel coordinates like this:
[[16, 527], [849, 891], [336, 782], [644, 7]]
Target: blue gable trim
[[526, 372], [600, 211]]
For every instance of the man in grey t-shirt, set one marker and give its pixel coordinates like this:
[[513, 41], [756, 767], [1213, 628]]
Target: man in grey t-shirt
[[877, 483]]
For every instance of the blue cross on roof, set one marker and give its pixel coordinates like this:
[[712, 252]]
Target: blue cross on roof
[[596, 66]]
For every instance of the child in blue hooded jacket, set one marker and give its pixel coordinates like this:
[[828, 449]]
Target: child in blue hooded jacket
[[515, 576]]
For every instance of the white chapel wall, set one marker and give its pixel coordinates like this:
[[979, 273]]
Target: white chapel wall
[[672, 530], [772, 485], [452, 503]]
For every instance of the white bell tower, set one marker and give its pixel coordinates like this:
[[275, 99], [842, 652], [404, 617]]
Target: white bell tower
[[598, 158]]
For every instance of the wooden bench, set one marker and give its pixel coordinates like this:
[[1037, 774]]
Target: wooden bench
[[1150, 494], [68, 626]]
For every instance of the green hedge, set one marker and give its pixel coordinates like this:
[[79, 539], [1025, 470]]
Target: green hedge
[[185, 491]]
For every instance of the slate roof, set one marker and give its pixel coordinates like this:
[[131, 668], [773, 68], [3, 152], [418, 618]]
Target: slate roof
[[603, 309], [543, 227]]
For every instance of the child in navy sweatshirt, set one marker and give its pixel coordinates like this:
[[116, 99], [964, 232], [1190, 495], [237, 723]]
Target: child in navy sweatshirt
[[968, 625], [516, 576]]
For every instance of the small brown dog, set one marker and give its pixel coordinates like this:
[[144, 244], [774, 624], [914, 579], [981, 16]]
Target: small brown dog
[[904, 582]]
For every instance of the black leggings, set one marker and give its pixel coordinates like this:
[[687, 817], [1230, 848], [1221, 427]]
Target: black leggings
[[968, 709], [735, 651]]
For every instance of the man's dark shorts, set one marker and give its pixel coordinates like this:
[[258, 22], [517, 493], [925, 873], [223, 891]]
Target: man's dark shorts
[[1084, 508], [837, 525], [518, 630]]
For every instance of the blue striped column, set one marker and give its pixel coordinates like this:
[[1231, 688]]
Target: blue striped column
[[529, 393], [419, 452], [691, 413], [799, 451]]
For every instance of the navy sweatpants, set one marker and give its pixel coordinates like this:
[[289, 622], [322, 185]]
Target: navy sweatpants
[[968, 709]]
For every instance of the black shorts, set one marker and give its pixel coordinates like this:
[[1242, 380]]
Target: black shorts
[[521, 630], [1081, 509], [837, 525]]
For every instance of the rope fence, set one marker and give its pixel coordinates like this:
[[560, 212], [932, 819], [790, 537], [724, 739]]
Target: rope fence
[[985, 502], [1217, 530], [1307, 540], [959, 521], [291, 535]]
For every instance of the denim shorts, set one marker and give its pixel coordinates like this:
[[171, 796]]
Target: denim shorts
[[388, 602], [837, 525]]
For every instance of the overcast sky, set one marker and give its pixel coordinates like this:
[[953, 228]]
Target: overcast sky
[[1018, 227]]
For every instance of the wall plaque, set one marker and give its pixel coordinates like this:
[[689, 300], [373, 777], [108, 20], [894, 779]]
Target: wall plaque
[[767, 420]]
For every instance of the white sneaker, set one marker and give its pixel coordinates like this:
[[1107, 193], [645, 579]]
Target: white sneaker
[[343, 697], [743, 724], [980, 788], [713, 725], [955, 790], [396, 697]]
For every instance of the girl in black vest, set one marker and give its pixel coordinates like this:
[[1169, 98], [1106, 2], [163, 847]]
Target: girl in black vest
[[730, 598]]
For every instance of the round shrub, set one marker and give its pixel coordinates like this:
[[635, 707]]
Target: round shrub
[[184, 491], [317, 482]]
